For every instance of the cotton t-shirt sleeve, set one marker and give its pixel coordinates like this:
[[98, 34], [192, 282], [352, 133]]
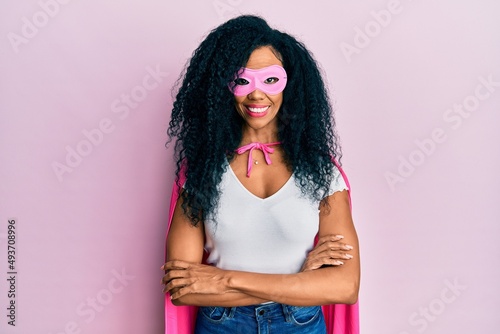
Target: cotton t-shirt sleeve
[[338, 182]]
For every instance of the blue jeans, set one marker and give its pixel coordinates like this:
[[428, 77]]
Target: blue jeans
[[270, 318]]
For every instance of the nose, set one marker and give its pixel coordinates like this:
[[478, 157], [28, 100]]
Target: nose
[[256, 95]]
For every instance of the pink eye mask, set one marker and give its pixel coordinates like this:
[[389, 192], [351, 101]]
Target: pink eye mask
[[271, 80]]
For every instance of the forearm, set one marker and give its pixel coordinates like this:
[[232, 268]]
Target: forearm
[[230, 299], [197, 284], [317, 287]]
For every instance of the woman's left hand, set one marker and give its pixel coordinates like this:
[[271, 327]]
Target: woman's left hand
[[184, 278], [329, 251]]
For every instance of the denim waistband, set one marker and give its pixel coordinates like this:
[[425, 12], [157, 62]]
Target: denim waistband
[[269, 310]]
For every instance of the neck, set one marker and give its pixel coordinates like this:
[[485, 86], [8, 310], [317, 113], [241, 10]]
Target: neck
[[258, 136]]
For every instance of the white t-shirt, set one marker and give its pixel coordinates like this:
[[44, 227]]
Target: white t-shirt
[[271, 235]]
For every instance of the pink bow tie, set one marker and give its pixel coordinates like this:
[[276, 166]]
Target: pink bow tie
[[260, 146]]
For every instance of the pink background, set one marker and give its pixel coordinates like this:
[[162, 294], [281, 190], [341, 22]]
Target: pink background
[[90, 237]]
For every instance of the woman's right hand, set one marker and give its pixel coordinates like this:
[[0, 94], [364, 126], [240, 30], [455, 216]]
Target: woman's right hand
[[329, 251]]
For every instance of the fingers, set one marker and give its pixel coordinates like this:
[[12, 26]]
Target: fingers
[[329, 251], [175, 264], [183, 278], [176, 284], [333, 239], [199, 279], [332, 254], [330, 237], [330, 246], [326, 259], [179, 292], [173, 274], [175, 271]]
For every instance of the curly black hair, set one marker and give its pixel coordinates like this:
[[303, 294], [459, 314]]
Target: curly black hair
[[205, 139]]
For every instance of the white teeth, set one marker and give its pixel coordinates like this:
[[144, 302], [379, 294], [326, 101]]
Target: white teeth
[[258, 110]]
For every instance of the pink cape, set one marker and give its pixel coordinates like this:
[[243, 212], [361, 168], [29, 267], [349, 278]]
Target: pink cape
[[339, 318]]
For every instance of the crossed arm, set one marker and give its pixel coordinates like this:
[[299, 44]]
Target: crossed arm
[[330, 274]]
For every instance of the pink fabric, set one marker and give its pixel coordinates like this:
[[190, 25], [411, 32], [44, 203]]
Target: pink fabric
[[258, 79], [339, 318], [260, 146]]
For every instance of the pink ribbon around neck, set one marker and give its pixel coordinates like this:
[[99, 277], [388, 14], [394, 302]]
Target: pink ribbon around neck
[[260, 146]]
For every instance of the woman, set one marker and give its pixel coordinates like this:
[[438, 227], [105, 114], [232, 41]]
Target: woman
[[261, 232]]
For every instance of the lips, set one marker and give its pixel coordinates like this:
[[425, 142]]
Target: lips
[[256, 110]]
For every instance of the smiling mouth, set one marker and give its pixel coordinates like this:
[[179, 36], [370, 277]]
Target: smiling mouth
[[255, 111], [258, 110]]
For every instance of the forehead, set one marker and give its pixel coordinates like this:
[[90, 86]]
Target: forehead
[[263, 73], [262, 57]]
